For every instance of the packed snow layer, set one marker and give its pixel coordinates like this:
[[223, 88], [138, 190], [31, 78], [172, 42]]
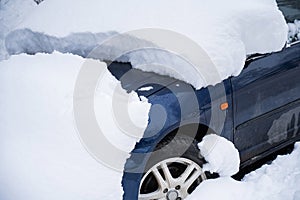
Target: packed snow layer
[[278, 181], [41, 154], [226, 30], [221, 155]]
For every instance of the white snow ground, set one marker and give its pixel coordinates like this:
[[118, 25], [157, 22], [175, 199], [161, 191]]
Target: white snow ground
[[279, 180], [41, 154]]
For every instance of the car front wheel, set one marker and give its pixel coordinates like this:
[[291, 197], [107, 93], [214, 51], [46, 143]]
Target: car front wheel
[[173, 176]]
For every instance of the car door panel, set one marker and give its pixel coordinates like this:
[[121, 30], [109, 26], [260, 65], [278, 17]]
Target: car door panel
[[266, 102]]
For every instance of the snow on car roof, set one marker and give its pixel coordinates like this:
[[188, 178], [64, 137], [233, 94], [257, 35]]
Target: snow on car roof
[[226, 31]]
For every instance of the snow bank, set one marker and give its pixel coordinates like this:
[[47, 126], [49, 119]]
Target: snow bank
[[41, 154], [277, 181], [226, 30], [221, 155]]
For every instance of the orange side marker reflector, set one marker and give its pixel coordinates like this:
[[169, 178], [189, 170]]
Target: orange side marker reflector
[[224, 106]]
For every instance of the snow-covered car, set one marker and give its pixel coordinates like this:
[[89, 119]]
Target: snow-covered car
[[252, 105], [261, 115]]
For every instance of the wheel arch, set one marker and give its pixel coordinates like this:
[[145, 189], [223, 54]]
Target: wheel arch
[[188, 130], [131, 179]]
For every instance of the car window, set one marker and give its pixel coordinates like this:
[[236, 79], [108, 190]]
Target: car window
[[290, 9]]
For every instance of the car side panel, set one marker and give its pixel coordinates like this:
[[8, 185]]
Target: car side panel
[[266, 102]]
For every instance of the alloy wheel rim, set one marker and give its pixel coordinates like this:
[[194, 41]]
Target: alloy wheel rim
[[171, 179]]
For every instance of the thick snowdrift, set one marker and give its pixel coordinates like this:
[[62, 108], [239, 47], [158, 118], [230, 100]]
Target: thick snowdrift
[[41, 154], [226, 30], [277, 181]]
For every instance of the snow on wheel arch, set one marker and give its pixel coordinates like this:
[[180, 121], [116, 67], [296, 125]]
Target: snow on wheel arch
[[221, 155]]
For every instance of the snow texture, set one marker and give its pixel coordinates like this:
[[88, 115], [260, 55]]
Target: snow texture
[[12, 13], [221, 155], [294, 31], [226, 31], [41, 154], [278, 181], [27, 41]]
